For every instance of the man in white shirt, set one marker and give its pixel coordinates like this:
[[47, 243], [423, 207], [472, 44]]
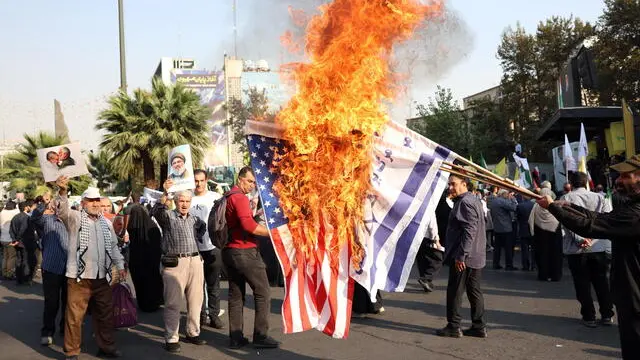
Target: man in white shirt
[[201, 205], [93, 248]]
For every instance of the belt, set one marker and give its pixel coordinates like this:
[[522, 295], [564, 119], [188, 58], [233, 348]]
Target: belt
[[184, 255]]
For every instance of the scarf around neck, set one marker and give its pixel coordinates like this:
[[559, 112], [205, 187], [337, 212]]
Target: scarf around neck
[[83, 244]]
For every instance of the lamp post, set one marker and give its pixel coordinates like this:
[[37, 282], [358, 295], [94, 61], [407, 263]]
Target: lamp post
[[123, 66]]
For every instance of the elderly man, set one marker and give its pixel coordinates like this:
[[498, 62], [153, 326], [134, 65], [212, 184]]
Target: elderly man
[[589, 259], [621, 227], [182, 266], [245, 265], [502, 209], [55, 244], [201, 205], [92, 250], [465, 255]]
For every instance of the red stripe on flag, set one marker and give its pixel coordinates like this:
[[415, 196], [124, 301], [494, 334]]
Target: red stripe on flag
[[287, 318]]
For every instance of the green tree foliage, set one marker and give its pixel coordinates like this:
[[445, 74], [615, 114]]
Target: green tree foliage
[[617, 52], [489, 130], [22, 168], [442, 121], [256, 108], [141, 129], [531, 64], [100, 167]]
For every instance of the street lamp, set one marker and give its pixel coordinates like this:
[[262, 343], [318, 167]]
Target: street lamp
[[123, 67]]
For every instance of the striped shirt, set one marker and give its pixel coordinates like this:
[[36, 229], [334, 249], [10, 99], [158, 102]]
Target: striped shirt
[[55, 241], [179, 233]]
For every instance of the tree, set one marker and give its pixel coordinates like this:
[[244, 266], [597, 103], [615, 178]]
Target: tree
[[531, 65], [141, 129], [617, 52], [22, 168], [256, 108], [489, 129], [442, 121], [101, 169]]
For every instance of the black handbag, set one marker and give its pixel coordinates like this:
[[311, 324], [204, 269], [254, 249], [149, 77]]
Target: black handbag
[[169, 261]]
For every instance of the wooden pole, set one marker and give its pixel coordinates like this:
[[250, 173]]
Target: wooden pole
[[491, 180]]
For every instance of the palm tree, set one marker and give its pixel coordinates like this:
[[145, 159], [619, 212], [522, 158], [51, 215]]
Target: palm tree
[[22, 168], [101, 169], [141, 129]]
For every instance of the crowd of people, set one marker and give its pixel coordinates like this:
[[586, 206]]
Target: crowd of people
[[597, 235], [165, 247], [174, 250]]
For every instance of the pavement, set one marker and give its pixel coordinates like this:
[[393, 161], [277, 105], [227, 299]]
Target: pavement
[[527, 319]]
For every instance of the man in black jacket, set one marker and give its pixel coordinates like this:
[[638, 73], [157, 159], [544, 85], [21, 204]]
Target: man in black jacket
[[465, 254], [622, 227], [24, 239]]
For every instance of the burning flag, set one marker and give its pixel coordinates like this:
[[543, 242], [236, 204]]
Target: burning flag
[[316, 162], [406, 185]]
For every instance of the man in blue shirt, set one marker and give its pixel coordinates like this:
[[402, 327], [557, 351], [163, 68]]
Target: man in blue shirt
[[55, 243]]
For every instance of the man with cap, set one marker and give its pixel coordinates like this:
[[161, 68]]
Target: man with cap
[[178, 168], [621, 226], [93, 248]]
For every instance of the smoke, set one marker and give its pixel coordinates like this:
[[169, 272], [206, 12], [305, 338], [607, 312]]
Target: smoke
[[434, 50], [431, 54]]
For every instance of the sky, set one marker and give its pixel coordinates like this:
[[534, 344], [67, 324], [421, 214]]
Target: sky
[[68, 50]]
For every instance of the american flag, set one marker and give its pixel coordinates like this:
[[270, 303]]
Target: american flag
[[317, 295], [407, 184]]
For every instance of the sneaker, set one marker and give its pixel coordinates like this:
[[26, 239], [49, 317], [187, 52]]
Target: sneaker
[[172, 347], [449, 331], [266, 342], [238, 343], [606, 321], [427, 286], [46, 340], [109, 354], [221, 312], [195, 340], [381, 310], [590, 323], [475, 332]]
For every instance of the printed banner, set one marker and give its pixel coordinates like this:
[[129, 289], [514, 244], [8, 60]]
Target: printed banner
[[64, 160]]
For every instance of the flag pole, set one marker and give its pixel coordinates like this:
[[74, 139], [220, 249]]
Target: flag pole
[[491, 180]]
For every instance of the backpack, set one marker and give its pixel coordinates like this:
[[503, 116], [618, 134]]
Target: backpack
[[217, 222]]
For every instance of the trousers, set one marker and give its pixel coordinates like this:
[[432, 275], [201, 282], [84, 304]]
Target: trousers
[[245, 266], [592, 269], [54, 287], [79, 295], [186, 279], [459, 282], [212, 268]]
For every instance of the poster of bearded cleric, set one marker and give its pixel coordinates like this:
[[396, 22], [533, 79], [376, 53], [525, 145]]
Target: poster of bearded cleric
[[63, 160], [181, 169]]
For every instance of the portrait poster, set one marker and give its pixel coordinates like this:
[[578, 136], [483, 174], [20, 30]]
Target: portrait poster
[[63, 160], [181, 169], [151, 196]]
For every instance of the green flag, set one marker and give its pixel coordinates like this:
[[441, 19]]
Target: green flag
[[483, 162]]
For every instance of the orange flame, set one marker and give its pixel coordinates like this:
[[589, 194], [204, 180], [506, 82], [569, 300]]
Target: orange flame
[[330, 122]]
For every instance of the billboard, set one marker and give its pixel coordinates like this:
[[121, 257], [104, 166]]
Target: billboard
[[276, 91], [210, 86]]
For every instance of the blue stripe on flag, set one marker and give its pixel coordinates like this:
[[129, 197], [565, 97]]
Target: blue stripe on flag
[[406, 240], [400, 207]]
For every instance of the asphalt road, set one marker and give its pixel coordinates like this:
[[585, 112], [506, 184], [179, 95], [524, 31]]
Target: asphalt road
[[527, 320]]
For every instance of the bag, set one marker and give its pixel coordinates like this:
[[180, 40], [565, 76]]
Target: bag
[[169, 261], [217, 222], [125, 314]]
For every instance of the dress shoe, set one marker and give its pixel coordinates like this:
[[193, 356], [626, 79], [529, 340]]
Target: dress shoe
[[74, 357], [195, 340], [109, 354], [475, 332], [216, 322], [238, 343], [449, 331], [427, 286], [497, 267], [172, 347], [590, 323], [511, 268], [265, 342]]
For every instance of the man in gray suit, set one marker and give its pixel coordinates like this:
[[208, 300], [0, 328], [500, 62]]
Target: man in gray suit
[[465, 255]]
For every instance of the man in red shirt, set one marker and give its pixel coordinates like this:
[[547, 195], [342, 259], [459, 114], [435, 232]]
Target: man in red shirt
[[244, 264]]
